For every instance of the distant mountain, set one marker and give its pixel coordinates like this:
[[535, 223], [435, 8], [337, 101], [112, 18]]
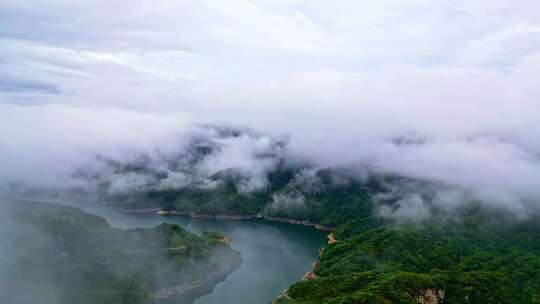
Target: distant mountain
[[232, 171]]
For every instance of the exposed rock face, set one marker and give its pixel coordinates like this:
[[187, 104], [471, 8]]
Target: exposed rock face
[[331, 239], [430, 296], [284, 295], [310, 275]]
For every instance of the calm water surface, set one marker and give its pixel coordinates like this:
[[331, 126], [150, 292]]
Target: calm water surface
[[275, 254]]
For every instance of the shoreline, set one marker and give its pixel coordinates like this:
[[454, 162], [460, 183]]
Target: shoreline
[[221, 216], [309, 275]]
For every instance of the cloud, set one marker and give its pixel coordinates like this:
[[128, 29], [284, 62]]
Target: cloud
[[343, 80], [292, 200], [253, 157], [43, 144], [411, 207]]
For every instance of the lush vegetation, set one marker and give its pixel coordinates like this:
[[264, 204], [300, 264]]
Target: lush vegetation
[[330, 198], [58, 254], [470, 256], [471, 261]]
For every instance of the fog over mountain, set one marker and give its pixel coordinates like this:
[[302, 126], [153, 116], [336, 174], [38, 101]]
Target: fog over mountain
[[442, 92]]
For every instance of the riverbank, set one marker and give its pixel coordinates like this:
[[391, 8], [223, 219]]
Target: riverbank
[[310, 274], [221, 216]]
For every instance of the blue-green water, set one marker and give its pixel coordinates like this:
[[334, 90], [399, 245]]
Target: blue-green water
[[275, 254]]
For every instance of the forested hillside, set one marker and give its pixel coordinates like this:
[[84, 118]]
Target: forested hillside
[[57, 254], [473, 261]]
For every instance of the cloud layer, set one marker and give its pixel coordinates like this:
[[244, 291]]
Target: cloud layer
[[442, 91]]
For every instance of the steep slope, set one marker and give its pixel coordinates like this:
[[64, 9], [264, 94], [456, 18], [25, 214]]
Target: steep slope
[[472, 261]]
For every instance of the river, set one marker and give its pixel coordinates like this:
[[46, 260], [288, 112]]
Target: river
[[275, 254]]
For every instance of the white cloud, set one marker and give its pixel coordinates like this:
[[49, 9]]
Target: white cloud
[[411, 207], [342, 78], [287, 201]]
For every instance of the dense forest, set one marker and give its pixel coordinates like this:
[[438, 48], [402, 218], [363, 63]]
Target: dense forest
[[472, 261]]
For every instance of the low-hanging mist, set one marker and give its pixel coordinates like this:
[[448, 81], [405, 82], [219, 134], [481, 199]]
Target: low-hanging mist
[[447, 175], [445, 93]]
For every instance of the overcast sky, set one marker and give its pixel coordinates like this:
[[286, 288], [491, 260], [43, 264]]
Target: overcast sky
[[342, 78]]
